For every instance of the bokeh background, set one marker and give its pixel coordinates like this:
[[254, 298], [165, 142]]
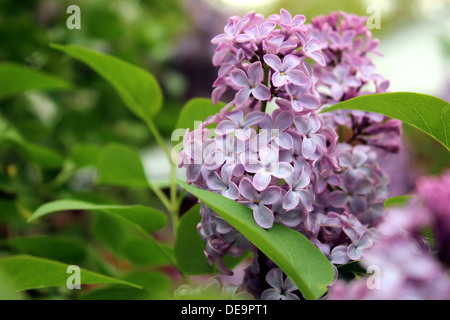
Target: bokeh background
[[171, 39]]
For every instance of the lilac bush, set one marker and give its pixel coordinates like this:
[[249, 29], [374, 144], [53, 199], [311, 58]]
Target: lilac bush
[[291, 166]]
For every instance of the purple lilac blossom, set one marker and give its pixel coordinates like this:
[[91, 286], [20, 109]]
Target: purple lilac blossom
[[289, 167]]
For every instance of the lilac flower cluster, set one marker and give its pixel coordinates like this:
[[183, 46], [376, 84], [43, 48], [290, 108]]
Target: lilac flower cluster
[[347, 43], [287, 166], [410, 269]]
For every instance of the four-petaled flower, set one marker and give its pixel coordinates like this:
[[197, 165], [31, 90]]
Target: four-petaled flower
[[250, 84], [281, 289], [240, 125], [267, 166], [258, 201], [298, 192], [286, 71]]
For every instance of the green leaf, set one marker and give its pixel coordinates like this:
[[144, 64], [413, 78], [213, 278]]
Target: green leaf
[[189, 246], [426, 113], [41, 155], [121, 166], [352, 267], [57, 248], [397, 201], [126, 244], [84, 155], [27, 272], [146, 252], [15, 78], [197, 109], [145, 219], [302, 262], [137, 88], [7, 289], [115, 293]]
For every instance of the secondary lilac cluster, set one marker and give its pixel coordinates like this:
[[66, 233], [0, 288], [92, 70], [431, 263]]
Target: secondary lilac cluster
[[347, 45], [409, 268], [286, 166]]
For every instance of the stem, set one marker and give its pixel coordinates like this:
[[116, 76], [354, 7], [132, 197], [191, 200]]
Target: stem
[[172, 205], [161, 196], [158, 137], [266, 81]]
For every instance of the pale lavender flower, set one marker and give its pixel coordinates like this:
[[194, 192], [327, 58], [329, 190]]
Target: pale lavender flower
[[250, 84], [258, 201], [353, 192], [274, 130], [257, 33], [298, 192], [222, 183], [339, 80], [281, 288], [302, 98], [286, 71], [312, 139], [238, 124], [267, 166]]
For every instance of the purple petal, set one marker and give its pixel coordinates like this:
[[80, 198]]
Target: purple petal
[[297, 77], [275, 278], [285, 140], [313, 45], [247, 190], [337, 91], [278, 80], [273, 61], [308, 147], [357, 204], [284, 120], [298, 20], [271, 294], [214, 182], [286, 17], [283, 170], [291, 200], [339, 255], [261, 180], [353, 253], [267, 27], [239, 78], [269, 155], [306, 198], [270, 195], [242, 96], [309, 101], [243, 134], [290, 62], [261, 92], [338, 198], [193, 172], [263, 216], [255, 72], [232, 192], [317, 57], [253, 118], [303, 180]]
